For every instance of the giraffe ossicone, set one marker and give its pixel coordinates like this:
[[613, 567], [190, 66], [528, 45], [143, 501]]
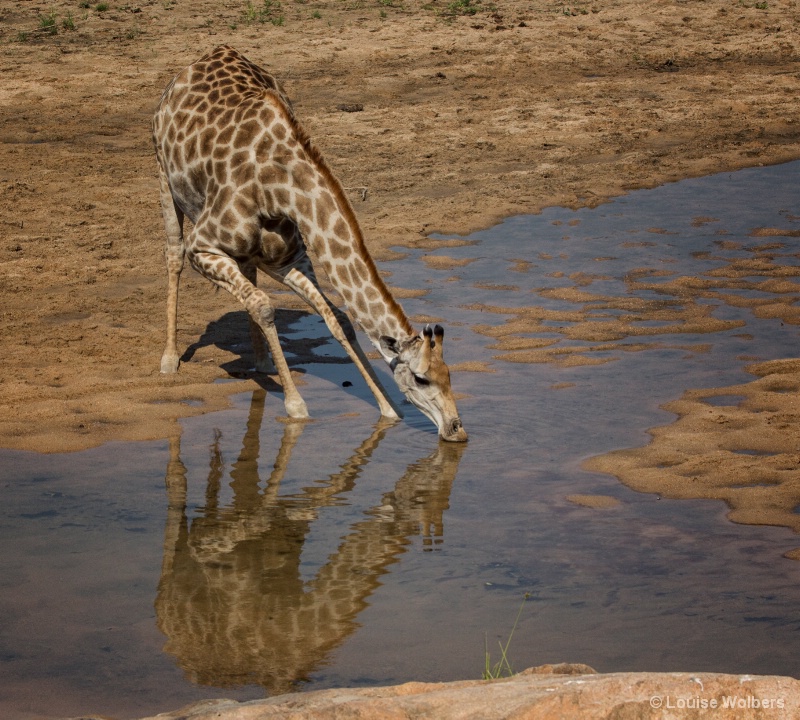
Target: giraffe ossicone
[[233, 158]]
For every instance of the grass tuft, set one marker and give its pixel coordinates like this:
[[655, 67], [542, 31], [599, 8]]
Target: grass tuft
[[463, 7], [47, 23], [269, 11], [502, 668]]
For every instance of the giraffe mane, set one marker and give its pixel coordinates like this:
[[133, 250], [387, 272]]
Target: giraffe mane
[[349, 213]]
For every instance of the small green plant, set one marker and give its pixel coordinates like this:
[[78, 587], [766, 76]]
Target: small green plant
[[269, 11], [47, 23], [463, 7], [249, 14], [101, 7], [68, 23], [760, 6], [23, 37], [502, 668], [317, 15]]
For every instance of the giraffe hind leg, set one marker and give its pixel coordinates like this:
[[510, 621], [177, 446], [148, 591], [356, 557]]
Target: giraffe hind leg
[[174, 255], [224, 271], [342, 329]]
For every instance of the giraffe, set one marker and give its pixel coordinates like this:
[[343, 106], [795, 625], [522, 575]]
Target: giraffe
[[233, 158]]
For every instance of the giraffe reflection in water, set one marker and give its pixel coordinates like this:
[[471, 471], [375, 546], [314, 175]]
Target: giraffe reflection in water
[[231, 599]]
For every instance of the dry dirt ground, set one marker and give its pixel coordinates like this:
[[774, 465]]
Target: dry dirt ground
[[467, 111]]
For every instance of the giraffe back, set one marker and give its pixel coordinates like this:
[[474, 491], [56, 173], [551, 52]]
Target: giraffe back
[[218, 123]]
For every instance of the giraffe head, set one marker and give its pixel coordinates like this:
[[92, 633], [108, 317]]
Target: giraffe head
[[420, 372]]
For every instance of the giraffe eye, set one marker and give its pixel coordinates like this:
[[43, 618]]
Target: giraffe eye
[[421, 380]]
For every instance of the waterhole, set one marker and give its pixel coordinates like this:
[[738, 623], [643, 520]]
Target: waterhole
[[246, 556]]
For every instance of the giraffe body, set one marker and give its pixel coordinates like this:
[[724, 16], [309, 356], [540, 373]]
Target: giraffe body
[[234, 160]]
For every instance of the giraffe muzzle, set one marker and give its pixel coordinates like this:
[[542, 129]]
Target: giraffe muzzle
[[454, 431]]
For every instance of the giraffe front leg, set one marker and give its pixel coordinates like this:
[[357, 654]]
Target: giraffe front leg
[[225, 272], [264, 315], [342, 329], [263, 363]]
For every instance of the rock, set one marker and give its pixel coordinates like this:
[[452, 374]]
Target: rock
[[549, 692]]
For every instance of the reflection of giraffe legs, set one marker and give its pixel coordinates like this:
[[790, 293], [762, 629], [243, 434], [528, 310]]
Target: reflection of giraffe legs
[[244, 473], [232, 599], [176, 528], [322, 495]]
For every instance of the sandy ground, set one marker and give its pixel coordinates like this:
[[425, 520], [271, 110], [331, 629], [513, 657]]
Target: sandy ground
[[451, 115]]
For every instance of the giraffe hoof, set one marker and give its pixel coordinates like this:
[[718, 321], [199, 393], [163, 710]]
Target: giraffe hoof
[[389, 413], [169, 364], [297, 409]]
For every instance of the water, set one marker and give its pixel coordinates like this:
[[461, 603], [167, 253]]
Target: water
[[246, 556]]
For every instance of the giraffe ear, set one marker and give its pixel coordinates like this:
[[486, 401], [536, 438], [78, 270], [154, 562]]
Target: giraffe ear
[[389, 346]]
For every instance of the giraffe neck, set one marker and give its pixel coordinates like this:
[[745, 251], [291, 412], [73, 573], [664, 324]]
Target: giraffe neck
[[329, 226], [353, 273]]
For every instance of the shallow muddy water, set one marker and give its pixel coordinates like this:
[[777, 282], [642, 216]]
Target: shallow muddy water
[[247, 556]]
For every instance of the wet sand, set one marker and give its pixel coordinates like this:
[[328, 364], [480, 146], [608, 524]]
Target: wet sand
[[742, 449]]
